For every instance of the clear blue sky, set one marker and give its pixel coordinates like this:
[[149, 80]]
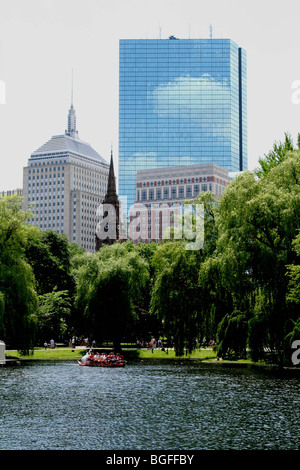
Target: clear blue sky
[[41, 41]]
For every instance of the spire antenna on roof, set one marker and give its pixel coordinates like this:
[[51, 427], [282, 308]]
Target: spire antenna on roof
[[72, 131], [72, 91]]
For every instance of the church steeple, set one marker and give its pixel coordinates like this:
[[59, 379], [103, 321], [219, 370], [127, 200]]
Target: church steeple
[[111, 194], [110, 227], [72, 132]]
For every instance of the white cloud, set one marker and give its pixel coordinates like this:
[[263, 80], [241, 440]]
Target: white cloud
[[190, 96]]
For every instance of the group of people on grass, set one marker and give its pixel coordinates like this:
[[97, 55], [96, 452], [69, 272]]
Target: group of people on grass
[[51, 345], [153, 343]]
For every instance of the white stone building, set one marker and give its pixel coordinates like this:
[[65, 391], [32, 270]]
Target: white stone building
[[66, 180]]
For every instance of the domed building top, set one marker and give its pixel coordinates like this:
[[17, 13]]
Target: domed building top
[[69, 143], [66, 144]]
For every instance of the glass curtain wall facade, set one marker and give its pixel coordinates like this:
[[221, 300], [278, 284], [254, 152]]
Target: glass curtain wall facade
[[181, 102]]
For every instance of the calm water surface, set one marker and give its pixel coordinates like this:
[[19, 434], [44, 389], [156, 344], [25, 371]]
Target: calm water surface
[[148, 405]]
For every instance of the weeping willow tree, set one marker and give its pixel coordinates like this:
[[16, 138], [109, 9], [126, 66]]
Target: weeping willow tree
[[293, 271], [18, 299], [175, 294], [257, 222], [293, 297], [53, 315], [109, 285]]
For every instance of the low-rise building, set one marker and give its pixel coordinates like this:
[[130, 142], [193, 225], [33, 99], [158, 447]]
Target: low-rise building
[[160, 193]]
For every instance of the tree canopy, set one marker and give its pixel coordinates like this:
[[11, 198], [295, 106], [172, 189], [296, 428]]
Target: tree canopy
[[18, 298], [277, 154], [108, 286], [238, 285]]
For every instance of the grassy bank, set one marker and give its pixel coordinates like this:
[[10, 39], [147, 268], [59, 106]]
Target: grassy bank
[[64, 353], [49, 354], [202, 354]]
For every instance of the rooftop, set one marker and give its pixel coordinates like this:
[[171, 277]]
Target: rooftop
[[66, 144]]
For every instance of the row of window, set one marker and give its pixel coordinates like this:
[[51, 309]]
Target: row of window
[[33, 178], [42, 170], [80, 172], [36, 184], [164, 59], [89, 169], [172, 193], [44, 217], [58, 203], [180, 181], [37, 197]]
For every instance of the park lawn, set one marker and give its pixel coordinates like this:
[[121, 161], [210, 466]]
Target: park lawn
[[203, 354], [64, 353], [49, 354]]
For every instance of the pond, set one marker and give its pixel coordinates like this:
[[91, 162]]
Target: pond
[[148, 405]]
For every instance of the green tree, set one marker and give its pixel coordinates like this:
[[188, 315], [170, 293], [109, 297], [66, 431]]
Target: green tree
[[147, 325], [257, 221], [49, 254], [175, 294], [53, 315], [18, 300], [293, 294], [232, 334], [293, 300], [108, 286], [276, 155]]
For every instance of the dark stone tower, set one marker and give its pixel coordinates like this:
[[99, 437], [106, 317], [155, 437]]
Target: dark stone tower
[[109, 228]]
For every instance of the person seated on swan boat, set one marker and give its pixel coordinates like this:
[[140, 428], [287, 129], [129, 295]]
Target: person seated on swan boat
[[86, 357]]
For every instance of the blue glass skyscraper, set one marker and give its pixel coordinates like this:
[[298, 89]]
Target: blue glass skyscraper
[[181, 102]]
